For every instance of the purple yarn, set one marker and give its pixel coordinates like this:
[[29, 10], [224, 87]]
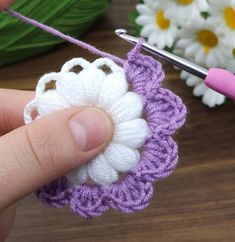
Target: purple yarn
[[57, 33], [57, 193], [165, 113]]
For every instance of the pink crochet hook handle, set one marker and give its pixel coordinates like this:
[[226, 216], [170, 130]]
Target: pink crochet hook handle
[[218, 79], [221, 81]]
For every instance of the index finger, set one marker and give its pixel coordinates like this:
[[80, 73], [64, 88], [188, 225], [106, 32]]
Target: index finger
[[5, 3], [12, 103]]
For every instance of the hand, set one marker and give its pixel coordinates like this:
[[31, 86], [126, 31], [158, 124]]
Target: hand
[[35, 154], [5, 3]]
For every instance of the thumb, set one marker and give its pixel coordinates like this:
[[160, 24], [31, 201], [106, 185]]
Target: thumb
[[48, 148]]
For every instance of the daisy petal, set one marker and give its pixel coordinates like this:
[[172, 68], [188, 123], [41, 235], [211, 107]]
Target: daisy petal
[[147, 29], [161, 41], [209, 98], [101, 172], [132, 133], [121, 157], [200, 56], [126, 108], [183, 43], [220, 99], [152, 4], [143, 20], [143, 9], [50, 102], [113, 88], [184, 75], [203, 5], [233, 3], [199, 89], [211, 60], [193, 81], [154, 38], [190, 51], [169, 41]]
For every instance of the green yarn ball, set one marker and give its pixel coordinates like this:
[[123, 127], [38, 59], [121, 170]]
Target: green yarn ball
[[19, 40]]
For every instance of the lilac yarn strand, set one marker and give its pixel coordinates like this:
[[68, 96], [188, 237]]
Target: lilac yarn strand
[[61, 35]]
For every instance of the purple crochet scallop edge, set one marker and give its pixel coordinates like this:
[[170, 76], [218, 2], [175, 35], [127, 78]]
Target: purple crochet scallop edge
[[165, 114]]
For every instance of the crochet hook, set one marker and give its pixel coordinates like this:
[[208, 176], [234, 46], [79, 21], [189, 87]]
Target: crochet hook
[[217, 79]]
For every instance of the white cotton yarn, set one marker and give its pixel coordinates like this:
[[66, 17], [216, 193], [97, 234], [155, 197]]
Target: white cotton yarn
[[109, 91]]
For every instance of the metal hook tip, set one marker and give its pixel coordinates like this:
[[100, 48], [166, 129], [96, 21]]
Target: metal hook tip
[[120, 32]]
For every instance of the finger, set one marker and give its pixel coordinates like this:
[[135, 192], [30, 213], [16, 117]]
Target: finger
[[5, 3], [6, 222], [48, 148], [12, 103]]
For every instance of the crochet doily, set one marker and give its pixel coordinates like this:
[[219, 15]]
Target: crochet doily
[[144, 114]]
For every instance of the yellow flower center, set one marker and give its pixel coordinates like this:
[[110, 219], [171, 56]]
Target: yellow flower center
[[162, 21], [184, 2], [207, 39], [229, 15]]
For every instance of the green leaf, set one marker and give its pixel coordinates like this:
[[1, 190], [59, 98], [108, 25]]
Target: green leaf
[[20, 41]]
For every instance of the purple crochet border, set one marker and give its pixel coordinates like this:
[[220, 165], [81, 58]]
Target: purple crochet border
[[165, 113]]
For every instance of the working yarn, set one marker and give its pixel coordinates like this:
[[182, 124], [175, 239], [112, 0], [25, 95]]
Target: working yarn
[[144, 114]]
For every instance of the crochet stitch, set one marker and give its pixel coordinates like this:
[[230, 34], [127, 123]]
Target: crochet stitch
[[164, 113]]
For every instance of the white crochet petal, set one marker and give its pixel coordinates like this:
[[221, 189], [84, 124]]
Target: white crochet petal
[[101, 172], [132, 133], [69, 65], [44, 80], [121, 157], [78, 176], [28, 111], [126, 108], [101, 62], [69, 86], [92, 81], [114, 87], [50, 102]]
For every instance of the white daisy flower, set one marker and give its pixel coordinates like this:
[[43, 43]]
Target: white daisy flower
[[203, 43], [183, 10], [94, 86], [210, 97], [158, 29], [222, 13]]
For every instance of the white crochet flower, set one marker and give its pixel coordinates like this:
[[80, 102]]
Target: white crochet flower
[[210, 97], [183, 10], [203, 43], [222, 13], [157, 28], [108, 91]]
